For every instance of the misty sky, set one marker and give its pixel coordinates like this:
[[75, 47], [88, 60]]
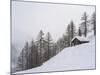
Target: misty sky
[[28, 18]]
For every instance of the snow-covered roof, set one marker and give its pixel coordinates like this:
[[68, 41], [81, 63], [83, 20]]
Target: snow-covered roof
[[81, 38]]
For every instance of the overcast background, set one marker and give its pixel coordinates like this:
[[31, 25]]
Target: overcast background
[[5, 37], [28, 18]]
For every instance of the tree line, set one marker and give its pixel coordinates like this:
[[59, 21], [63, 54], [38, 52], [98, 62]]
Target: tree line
[[37, 52]]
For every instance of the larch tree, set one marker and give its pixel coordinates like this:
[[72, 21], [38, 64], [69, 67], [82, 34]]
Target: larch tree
[[33, 55], [55, 48], [20, 63], [84, 24], [49, 43], [60, 44], [93, 22], [70, 31], [39, 42], [26, 48], [79, 32], [23, 59]]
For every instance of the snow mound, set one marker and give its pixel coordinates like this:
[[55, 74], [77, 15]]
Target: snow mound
[[72, 58]]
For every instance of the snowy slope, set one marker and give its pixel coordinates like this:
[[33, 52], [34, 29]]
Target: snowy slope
[[72, 58]]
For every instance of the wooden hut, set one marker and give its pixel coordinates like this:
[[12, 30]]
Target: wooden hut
[[78, 40]]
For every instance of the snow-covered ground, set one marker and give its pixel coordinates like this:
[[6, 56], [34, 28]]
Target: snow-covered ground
[[72, 58]]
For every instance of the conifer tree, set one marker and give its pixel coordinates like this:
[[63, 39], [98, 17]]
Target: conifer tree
[[93, 22], [84, 24]]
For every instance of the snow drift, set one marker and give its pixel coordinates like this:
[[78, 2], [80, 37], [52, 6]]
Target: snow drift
[[71, 58]]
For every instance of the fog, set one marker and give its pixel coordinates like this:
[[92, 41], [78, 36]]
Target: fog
[[28, 18]]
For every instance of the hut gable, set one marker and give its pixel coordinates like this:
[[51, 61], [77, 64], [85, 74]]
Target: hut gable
[[78, 40]]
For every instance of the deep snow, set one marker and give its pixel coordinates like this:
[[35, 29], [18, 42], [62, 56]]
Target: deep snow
[[71, 58]]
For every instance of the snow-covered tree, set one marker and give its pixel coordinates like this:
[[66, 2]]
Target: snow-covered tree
[[23, 59], [84, 24], [26, 48], [33, 55], [55, 48], [93, 22], [79, 32], [72, 29], [20, 64], [65, 40], [49, 45], [70, 32], [14, 58], [60, 44], [39, 43]]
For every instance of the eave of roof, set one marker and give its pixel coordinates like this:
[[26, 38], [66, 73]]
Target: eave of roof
[[80, 38]]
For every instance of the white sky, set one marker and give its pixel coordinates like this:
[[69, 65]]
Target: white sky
[[28, 18]]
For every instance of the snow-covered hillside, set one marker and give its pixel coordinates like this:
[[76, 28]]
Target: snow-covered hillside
[[72, 58]]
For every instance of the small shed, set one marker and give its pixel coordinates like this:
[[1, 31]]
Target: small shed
[[78, 40]]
